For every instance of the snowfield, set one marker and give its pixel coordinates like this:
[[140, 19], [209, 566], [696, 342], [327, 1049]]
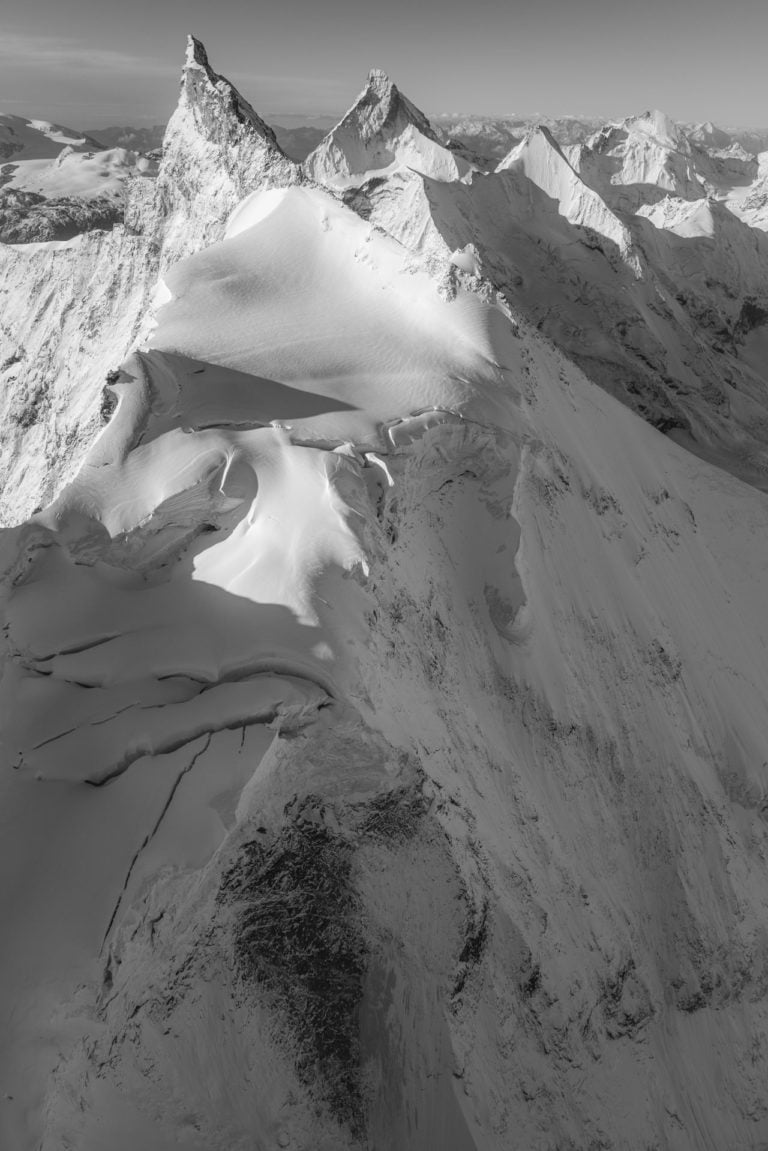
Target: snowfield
[[383, 700]]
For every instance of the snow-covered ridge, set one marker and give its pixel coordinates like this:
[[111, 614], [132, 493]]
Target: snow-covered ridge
[[382, 760], [381, 132], [394, 168], [403, 695], [564, 235], [542, 161], [57, 346]]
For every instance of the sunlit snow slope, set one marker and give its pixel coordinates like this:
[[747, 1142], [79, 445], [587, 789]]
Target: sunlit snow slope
[[74, 304], [382, 703], [383, 758]]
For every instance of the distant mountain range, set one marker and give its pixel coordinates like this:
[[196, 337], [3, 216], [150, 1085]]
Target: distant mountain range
[[492, 136], [383, 632]]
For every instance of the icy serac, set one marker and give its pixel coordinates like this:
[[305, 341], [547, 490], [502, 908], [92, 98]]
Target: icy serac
[[383, 701]]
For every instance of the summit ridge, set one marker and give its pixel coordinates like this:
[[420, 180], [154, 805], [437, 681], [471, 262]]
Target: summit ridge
[[383, 682]]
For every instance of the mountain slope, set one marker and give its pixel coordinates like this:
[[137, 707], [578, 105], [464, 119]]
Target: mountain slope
[[383, 702], [402, 720], [671, 326], [639, 161], [382, 131], [57, 346]]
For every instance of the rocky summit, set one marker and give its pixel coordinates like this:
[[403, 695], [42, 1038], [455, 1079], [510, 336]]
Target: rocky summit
[[383, 664]]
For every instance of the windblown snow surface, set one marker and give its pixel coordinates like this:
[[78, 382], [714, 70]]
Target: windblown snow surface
[[384, 702]]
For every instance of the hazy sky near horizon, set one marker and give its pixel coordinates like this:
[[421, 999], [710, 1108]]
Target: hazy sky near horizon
[[89, 63]]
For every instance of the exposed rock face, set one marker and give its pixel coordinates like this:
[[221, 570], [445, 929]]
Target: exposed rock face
[[72, 313], [29, 218], [56, 184], [382, 129], [216, 150], [383, 703], [69, 313]]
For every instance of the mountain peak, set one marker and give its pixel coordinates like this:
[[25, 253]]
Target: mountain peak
[[382, 107], [379, 81], [381, 128], [659, 126], [538, 140], [196, 53], [214, 99], [543, 132], [216, 150]]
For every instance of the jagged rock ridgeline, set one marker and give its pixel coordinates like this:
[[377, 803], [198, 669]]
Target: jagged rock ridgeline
[[382, 702], [73, 310], [216, 150], [382, 130], [367, 686], [670, 343]]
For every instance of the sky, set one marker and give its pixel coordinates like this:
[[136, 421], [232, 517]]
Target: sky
[[90, 63]]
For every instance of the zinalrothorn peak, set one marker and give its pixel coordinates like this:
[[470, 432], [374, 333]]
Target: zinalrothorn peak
[[213, 97]]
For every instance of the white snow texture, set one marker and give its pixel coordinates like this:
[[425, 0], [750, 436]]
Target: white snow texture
[[384, 684]]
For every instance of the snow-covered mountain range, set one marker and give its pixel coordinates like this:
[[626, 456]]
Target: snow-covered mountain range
[[384, 679]]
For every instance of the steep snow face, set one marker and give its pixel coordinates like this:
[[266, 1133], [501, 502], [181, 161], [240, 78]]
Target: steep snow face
[[735, 270], [382, 131], [225, 519], [73, 310], [543, 163], [639, 161], [383, 741], [670, 324]]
